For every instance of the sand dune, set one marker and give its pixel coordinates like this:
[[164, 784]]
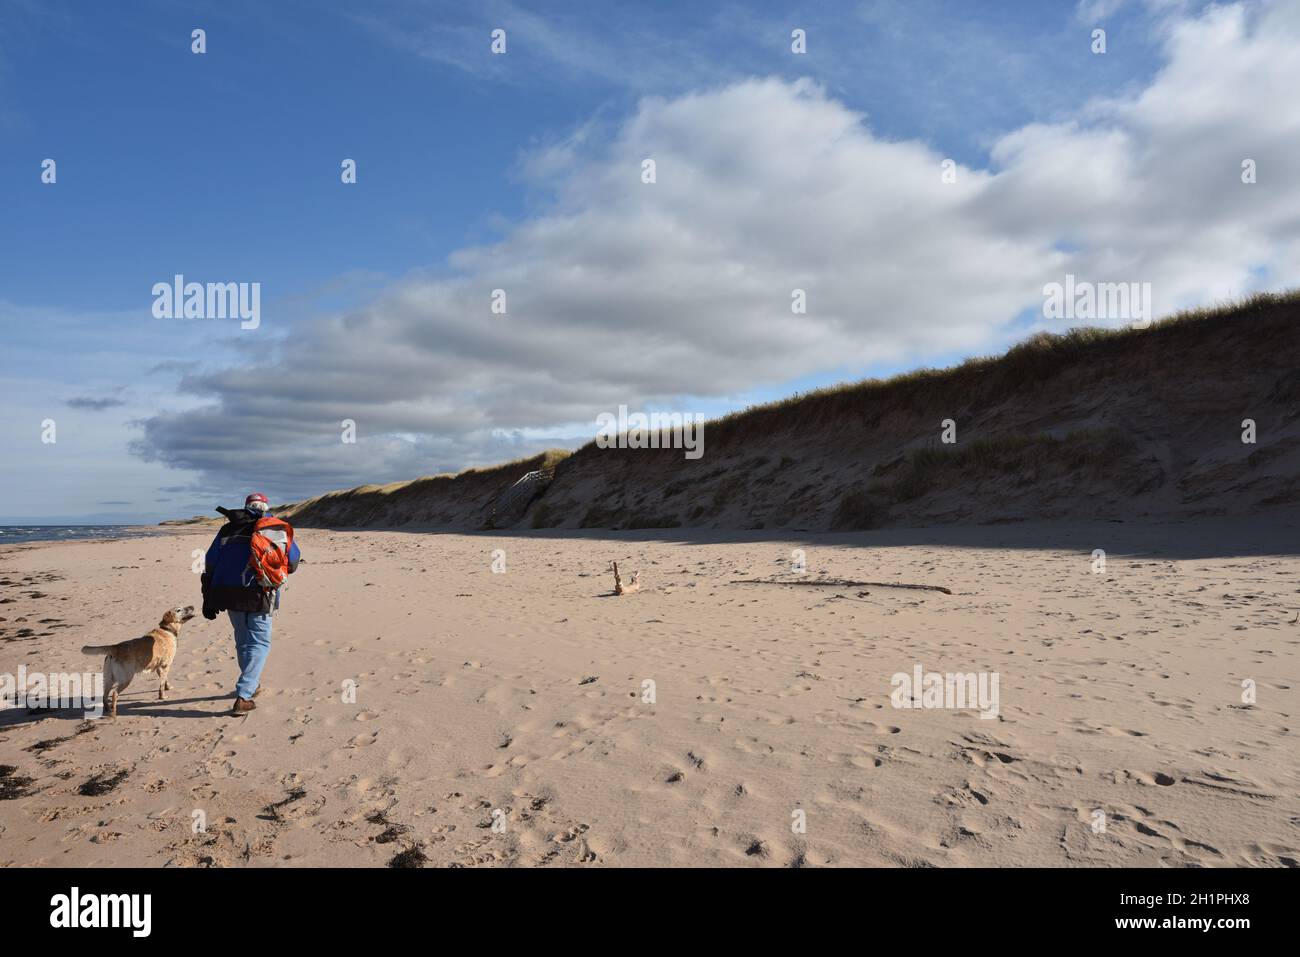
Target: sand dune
[[1121, 424], [518, 698]]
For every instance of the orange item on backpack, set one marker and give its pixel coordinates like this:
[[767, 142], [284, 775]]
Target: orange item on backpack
[[268, 553]]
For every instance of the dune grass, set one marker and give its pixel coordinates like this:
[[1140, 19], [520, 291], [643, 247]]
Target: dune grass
[[1033, 360]]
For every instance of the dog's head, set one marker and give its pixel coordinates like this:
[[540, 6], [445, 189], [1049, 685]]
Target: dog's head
[[175, 617]]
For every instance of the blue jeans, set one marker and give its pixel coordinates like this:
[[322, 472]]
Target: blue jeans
[[252, 645]]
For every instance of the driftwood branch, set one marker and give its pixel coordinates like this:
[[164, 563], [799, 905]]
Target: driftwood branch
[[838, 583], [631, 588]]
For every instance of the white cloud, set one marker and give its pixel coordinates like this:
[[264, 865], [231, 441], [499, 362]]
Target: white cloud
[[617, 45], [1096, 10]]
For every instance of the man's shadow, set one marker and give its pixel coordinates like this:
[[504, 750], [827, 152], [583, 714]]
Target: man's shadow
[[165, 709]]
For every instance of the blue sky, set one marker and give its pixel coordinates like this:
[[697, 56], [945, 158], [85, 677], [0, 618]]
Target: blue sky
[[230, 158], [472, 170]]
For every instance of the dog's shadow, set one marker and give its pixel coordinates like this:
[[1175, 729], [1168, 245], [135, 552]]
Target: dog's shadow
[[126, 708]]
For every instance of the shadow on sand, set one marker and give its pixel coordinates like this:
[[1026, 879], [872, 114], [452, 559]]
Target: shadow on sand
[[132, 704], [1276, 532]]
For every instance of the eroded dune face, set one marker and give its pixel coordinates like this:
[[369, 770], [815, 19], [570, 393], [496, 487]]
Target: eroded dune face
[[1195, 417]]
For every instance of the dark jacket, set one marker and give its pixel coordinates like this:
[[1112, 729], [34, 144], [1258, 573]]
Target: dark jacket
[[228, 583]]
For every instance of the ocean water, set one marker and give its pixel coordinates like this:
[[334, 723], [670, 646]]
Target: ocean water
[[17, 534]]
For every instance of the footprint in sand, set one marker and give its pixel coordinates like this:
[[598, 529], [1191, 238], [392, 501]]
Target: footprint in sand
[[222, 769], [965, 796], [1150, 779]]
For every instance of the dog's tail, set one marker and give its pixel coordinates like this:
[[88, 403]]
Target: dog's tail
[[97, 649]]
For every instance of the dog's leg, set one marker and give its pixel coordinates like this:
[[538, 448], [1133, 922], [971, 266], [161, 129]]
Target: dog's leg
[[110, 682], [162, 683], [121, 678]]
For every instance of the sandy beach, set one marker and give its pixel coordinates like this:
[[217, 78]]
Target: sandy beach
[[520, 699]]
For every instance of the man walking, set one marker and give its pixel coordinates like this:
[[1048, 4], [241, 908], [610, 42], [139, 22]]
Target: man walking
[[233, 585]]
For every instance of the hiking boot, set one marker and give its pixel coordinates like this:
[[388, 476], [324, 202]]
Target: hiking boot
[[242, 706]]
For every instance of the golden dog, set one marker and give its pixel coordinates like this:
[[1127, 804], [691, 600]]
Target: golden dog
[[152, 652]]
